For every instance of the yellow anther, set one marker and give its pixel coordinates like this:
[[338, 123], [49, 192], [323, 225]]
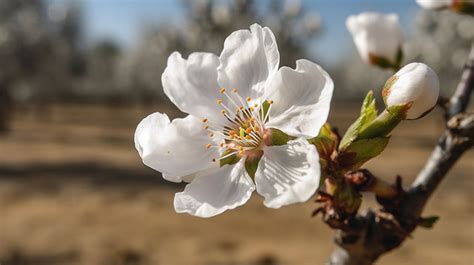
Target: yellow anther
[[248, 99], [241, 108], [209, 146], [248, 137], [270, 101], [206, 127], [252, 119], [251, 109], [219, 101], [211, 135], [237, 111], [222, 144], [241, 148], [204, 120], [255, 106], [241, 152], [232, 133], [223, 112], [234, 90], [213, 160], [222, 90]]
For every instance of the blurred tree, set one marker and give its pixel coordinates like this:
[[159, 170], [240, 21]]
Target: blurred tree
[[207, 24], [39, 50], [23, 47]]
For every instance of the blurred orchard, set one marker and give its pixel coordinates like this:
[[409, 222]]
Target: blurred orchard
[[45, 58], [74, 191]]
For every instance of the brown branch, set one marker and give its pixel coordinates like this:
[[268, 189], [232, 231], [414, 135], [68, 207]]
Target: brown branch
[[377, 233], [460, 99]]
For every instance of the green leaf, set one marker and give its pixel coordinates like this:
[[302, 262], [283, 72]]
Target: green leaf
[[428, 222], [368, 113], [361, 151]]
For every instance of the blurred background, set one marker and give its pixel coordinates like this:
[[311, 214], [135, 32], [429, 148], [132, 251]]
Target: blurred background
[[77, 76]]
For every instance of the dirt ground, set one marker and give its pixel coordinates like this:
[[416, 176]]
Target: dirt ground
[[74, 191]]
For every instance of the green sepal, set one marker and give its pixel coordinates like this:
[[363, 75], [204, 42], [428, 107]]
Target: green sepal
[[398, 60], [265, 107], [230, 160], [251, 164], [428, 222], [384, 63], [361, 151], [368, 113], [277, 137], [326, 142]]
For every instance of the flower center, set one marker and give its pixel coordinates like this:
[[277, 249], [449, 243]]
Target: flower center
[[243, 131]]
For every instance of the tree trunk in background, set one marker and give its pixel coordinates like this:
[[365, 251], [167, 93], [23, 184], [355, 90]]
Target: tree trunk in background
[[5, 107]]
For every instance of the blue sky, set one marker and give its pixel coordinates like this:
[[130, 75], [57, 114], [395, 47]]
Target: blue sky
[[121, 20]]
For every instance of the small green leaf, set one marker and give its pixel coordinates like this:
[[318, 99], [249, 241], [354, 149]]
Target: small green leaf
[[361, 151], [428, 222], [368, 113]]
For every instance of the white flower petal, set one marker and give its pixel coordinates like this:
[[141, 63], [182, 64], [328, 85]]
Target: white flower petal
[[192, 84], [214, 191], [288, 174], [416, 83], [301, 99], [177, 148], [248, 59]]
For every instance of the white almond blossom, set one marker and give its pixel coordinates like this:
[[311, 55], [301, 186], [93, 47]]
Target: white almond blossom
[[234, 102], [376, 36], [435, 4], [415, 84]]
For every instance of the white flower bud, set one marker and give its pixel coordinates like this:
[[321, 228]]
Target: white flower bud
[[460, 6], [434, 4], [416, 86], [378, 37]]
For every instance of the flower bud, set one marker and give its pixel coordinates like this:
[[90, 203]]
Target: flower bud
[[434, 4], [460, 6], [415, 86], [378, 38]]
